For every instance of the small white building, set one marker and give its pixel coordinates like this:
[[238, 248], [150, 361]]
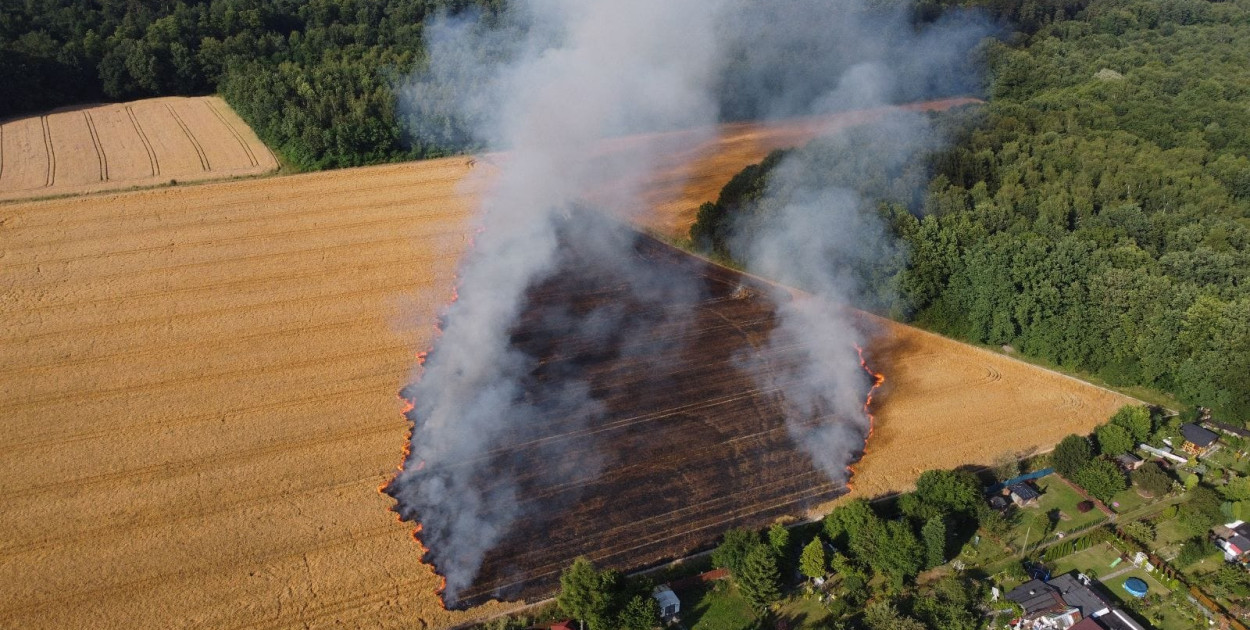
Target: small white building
[[667, 599]]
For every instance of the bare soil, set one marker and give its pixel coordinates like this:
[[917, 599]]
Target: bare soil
[[197, 395]]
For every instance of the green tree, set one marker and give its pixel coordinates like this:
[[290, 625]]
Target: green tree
[[1152, 479], [582, 594], [1071, 455], [934, 535], [1101, 478], [1113, 439], [847, 520], [733, 550], [779, 540], [1006, 467], [949, 490], [760, 580], [882, 615], [812, 561], [1136, 420], [640, 613], [1141, 531]]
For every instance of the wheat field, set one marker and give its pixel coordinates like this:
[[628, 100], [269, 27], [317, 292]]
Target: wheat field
[[142, 143], [199, 388]]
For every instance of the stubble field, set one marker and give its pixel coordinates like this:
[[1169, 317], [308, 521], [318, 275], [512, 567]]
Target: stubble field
[[199, 385], [122, 145]]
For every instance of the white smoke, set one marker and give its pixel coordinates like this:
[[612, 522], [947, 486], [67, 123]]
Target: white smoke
[[558, 78], [549, 81]]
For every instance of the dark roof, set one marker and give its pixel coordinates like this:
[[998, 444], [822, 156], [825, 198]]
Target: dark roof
[[1197, 435], [1227, 428], [1243, 529], [1078, 595], [1036, 596], [1128, 458], [1087, 623], [1240, 542], [1119, 620], [1024, 491]]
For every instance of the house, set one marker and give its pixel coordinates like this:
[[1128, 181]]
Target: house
[[1197, 439], [1060, 604], [667, 599], [1076, 592], [1087, 624], [1234, 539], [567, 624], [1043, 607], [1227, 429], [1023, 495], [1163, 453], [1119, 620], [1128, 462]]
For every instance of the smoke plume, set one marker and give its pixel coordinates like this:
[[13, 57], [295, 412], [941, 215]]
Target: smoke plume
[[549, 81]]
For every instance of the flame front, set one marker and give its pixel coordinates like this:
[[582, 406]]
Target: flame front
[[878, 379], [408, 406]]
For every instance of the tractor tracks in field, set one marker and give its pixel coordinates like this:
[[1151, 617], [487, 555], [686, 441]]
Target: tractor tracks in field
[[50, 177], [199, 150], [101, 157], [238, 137], [154, 166]]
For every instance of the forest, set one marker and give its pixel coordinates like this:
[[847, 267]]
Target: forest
[[314, 79], [1094, 214]]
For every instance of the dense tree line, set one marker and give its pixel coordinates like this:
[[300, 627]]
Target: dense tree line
[[313, 78], [1095, 214]]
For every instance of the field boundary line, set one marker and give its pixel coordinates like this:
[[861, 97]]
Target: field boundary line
[[234, 132], [99, 147], [50, 176], [154, 165], [199, 150]]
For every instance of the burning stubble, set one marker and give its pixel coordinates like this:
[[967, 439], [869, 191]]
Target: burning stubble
[[549, 81]]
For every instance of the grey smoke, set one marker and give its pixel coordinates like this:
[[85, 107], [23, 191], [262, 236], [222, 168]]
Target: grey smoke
[[549, 81], [575, 73]]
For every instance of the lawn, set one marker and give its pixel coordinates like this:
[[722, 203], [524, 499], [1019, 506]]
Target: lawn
[[1056, 495], [1096, 561], [715, 606], [1128, 501], [802, 612]]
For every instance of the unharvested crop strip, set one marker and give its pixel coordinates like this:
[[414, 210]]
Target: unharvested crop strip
[[347, 210], [199, 150], [163, 517], [234, 132], [181, 381], [128, 588], [48, 440], [388, 289], [95, 142], [238, 284], [154, 165], [189, 466]]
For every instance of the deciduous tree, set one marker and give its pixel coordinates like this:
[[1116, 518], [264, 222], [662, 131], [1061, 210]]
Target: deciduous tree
[[812, 561]]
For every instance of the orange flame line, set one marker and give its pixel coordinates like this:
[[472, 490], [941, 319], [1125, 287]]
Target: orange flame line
[[408, 406], [877, 380]]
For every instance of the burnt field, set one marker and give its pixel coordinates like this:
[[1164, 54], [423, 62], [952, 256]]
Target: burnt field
[[686, 436]]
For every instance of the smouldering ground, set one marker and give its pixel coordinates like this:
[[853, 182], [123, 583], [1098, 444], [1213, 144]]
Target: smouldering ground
[[198, 401], [122, 145]]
